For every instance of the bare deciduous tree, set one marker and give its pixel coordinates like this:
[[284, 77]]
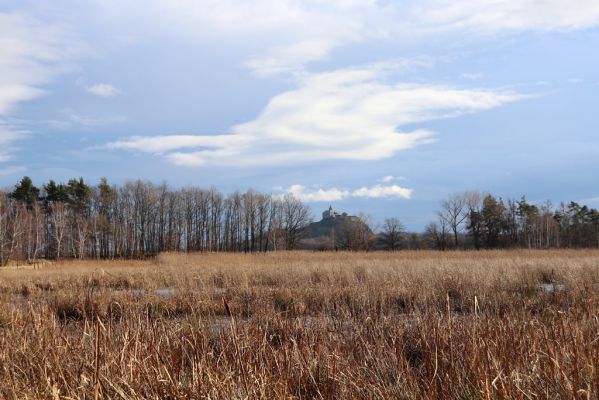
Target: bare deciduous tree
[[59, 224], [454, 214], [437, 235], [295, 216], [354, 234], [393, 231], [5, 230]]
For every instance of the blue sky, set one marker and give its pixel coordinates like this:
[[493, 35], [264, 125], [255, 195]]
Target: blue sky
[[381, 107]]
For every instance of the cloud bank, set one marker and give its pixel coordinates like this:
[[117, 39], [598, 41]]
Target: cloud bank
[[346, 114], [294, 33], [351, 113]]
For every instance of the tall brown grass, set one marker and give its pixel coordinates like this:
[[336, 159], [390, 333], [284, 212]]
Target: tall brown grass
[[407, 325]]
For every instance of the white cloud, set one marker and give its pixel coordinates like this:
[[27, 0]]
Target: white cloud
[[288, 59], [380, 191], [391, 178], [486, 17], [282, 36], [351, 114], [335, 194], [31, 54], [317, 195], [279, 36], [104, 90]]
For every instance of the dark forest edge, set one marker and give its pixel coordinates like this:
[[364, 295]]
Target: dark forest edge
[[140, 219]]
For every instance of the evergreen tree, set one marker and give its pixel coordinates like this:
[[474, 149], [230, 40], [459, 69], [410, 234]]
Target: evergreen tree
[[25, 192], [55, 193], [492, 221], [527, 214], [79, 196], [475, 228]]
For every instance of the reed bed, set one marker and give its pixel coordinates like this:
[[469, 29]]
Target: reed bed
[[405, 325]]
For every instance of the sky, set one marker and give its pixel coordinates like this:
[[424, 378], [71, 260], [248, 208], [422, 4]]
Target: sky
[[381, 107]]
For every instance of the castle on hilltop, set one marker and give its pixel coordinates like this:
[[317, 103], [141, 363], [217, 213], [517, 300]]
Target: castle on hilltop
[[331, 220], [320, 234], [332, 213]]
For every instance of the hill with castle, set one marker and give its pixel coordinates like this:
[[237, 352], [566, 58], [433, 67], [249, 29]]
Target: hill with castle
[[324, 234], [331, 219]]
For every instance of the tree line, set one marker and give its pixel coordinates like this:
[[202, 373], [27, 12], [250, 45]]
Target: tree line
[[480, 220], [476, 220], [141, 219]]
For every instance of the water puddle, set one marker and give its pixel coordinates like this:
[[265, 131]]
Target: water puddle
[[165, 293], [552, 287]]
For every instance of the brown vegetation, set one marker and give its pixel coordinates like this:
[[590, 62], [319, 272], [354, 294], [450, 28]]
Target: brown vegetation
[[451, 325]]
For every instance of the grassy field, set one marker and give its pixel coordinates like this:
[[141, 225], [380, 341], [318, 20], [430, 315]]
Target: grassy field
[[407, 325]]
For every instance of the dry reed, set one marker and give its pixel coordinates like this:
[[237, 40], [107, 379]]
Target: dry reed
[[407, 325]]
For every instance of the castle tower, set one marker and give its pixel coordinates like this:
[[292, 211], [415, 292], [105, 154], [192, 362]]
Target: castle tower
[[330, 213]]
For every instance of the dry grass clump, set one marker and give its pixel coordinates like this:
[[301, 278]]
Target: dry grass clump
[[456, 325]]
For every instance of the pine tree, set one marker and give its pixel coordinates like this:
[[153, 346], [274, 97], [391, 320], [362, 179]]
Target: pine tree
[[25, 192]]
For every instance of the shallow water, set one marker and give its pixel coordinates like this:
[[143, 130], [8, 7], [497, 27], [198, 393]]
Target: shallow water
[[552, 287]]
